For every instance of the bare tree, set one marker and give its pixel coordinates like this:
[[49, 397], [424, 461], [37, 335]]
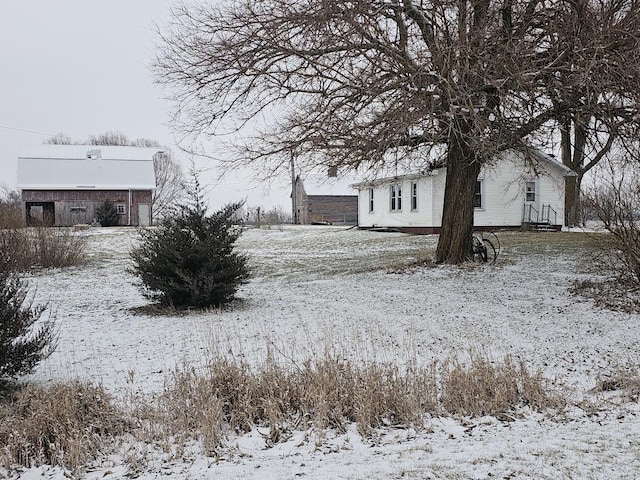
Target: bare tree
[[615, 200], [170, 187], [59, 139], [375, 84], [110, 138], [145, 142], [596, 93]]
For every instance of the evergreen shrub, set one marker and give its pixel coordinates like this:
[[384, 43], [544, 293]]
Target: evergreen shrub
[[107, 214], [25, 340], [189, 259]]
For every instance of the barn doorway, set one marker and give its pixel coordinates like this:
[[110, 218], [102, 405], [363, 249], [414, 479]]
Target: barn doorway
[[144, 215], [40, 214]]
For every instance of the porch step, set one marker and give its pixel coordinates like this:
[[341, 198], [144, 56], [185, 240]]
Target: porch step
[[538, 227]]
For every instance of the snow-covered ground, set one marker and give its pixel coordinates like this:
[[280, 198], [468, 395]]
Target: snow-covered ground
[[327, 287]]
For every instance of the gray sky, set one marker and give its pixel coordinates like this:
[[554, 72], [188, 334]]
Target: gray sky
[[80, 67]]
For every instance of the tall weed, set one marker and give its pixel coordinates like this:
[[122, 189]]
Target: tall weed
[[44, 247], [65, 424]]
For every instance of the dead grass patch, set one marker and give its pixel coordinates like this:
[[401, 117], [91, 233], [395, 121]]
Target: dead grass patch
[[65, 425], [71, 424], [624, 380], [320, 394], [486, 387], [330, 393], [614, 293]]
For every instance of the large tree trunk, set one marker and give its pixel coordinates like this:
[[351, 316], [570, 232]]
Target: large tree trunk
[[454, 244], [574, 160], [571, 201]]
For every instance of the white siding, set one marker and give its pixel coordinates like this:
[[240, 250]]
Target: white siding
[[438, 198], [382, 214], [503, 196]]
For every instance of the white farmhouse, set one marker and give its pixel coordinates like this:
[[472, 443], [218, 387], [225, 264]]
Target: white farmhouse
[[509, 194]]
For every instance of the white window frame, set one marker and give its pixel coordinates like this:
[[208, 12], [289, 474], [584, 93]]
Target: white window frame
[[530, 191], [414, 196], [120, 209], [371, 204], [478, 194], [395, 197]]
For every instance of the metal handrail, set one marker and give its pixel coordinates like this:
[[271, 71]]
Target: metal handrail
[[527, 215], [547, 217], [547, 214]]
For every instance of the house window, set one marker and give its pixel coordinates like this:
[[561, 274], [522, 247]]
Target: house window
[[371, 200], [414, 196], [530, 191], [477, 196], [396, 197], [120, 208]]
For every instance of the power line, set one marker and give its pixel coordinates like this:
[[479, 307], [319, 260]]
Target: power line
[[24, 130]]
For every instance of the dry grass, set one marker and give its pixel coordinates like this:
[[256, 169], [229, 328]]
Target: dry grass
[[613, 293], [44, 247], [485, 387], [64, 425], [331, 393], [624, 380], [71, 424]]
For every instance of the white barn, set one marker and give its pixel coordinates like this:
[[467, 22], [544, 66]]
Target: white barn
[[509, 194]]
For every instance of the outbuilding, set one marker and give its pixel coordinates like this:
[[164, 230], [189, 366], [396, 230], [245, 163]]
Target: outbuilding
[[326, 200], [62, 185]]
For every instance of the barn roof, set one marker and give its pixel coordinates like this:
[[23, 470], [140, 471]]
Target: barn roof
[[82, 167]]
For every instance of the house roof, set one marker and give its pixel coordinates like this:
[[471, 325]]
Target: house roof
[[82, 167], [539, 157], [551, 161]]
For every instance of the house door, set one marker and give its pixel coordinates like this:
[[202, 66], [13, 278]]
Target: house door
[[532, 202], [144, 215]]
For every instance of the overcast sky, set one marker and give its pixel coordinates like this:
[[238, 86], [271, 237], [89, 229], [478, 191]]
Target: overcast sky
[[81, 67]]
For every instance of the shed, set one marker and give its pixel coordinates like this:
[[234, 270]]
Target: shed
[[320, 199], [510, 193], [61, 185]]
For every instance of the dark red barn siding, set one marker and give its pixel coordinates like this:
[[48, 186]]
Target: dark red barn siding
[[333, 209], [78, 206]]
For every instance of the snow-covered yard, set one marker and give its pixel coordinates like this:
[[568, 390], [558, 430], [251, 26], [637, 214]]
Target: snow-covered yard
[[316, 288]]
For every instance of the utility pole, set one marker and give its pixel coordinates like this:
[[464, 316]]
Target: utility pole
[[294, 197]]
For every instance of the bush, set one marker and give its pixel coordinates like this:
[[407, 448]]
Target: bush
[[22, 343], [617, 205], [11, 213], [189, 260], [44, 247], [107, 215]]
